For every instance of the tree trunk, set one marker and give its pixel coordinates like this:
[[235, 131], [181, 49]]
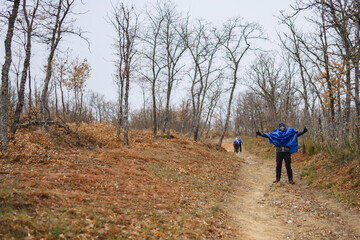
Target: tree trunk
[[357, 76], [56, 102], [80, 118], [121, 98], [229, 106], [198, 117], [126, 111], [304, 84], [167, 111], [44, 93], [75, 109], [154, 108], [329, 85], [26, 68], [4, 97], [209, 119], [198, 109], [348, 95], [62, 100], [30, 89], [193, 103], [55, 39], [357, 101], [26, 65]]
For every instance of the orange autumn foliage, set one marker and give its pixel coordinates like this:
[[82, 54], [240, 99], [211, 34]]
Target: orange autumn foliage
[[335, 87]]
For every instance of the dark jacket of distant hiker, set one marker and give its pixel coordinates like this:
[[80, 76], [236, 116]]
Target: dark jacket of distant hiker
[[237, 144]]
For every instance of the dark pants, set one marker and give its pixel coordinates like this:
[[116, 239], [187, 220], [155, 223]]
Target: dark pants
[[280, 156], [237, 148]]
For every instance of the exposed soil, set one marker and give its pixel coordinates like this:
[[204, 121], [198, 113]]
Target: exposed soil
[[264, 210]]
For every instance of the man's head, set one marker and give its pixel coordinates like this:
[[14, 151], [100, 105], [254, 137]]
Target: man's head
[[282, 126]]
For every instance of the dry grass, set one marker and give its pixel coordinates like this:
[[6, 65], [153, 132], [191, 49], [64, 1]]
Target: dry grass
[[154, 189], [340, 181]]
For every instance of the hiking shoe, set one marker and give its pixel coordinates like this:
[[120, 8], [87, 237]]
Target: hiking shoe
[[291, 182], [276, 181]]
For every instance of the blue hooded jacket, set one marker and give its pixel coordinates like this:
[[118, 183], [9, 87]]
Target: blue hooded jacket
[[286, 138], [237, 142]]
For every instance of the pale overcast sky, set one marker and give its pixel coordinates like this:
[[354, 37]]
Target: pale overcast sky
[[100, 32]]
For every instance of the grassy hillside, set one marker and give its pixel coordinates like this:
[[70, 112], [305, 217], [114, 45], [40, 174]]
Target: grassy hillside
[[53, 187]]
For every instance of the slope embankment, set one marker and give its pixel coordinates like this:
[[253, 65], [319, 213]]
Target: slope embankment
[[156, 188]]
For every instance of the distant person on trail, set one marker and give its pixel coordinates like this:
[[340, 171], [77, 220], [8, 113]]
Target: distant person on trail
[[237, 144], [286, 143]]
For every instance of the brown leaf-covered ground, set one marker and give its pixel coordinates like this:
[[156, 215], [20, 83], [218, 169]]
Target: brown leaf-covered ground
[[52, 187], [157, 188]]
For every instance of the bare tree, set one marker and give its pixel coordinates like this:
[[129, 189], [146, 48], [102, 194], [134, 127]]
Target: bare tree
[[289, 90], [315, 51], [125, 22], [5, 76], [356, 60], [78, 74], [236, 38], [154, 61], [294, 48], [119, 81], [203, 47], [251, 112], [175, 47], [266, 81], [334, 14], [142, 85], [54, 29], [212, 100], [61, 70], [96, 102], [28, 29], [336, 56]]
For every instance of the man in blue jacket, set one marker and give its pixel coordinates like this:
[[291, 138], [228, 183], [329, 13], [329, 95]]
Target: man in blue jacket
[[286, 143]]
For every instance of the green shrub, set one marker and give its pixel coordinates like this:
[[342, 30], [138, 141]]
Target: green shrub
[[343, 153], [312, 147]]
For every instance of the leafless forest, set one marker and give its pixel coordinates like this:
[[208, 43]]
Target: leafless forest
[[313, 81]]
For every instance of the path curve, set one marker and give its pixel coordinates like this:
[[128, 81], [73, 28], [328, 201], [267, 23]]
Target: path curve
[[263, 210]]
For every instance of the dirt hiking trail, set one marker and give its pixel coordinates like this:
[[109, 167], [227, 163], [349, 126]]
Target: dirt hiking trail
[[264, 210]]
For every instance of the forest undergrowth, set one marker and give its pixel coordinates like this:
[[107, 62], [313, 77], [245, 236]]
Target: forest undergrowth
[[157, 188]]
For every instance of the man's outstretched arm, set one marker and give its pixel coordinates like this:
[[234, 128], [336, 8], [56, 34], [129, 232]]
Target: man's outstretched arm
[[303, 132], [258, 133]]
